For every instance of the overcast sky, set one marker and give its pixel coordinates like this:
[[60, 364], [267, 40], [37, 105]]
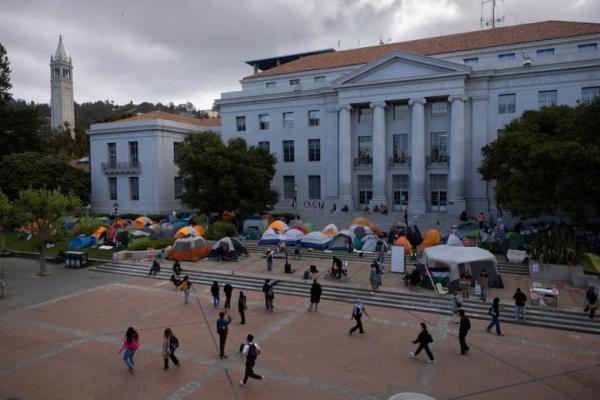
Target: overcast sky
[[192, 50]]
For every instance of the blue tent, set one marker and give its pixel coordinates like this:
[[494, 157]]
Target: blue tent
[[315, 240], [81, 242]]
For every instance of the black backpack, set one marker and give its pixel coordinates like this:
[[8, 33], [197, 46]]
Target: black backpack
[[174, 343], [252, 352]]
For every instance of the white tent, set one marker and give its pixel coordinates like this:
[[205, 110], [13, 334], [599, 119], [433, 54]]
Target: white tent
[[270, 237], [315, 240], [454, 241], [330, 230], [344, 240], [291, 236]]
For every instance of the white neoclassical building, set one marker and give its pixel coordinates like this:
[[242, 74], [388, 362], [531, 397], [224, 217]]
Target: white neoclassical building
[[133, 162], [403, 124]]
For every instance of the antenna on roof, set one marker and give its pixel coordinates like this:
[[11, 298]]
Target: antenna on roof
[[358, 40], [486, 22], [339, 44], [381, 41]]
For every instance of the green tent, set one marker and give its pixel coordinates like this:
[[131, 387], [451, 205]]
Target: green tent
[[310, 227], [251, 234], [591, 263]]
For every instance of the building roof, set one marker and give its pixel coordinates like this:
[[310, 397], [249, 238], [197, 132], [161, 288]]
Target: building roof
[[503, 36], [267, 63], [60, 53], [176, 118]]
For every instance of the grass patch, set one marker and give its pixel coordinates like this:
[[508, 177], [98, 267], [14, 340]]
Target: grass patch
[[16, 243]]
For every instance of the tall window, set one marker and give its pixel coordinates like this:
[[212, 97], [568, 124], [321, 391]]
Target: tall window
[[176, 152], [314, 118], [294, 82], [134, 188], [265, 145], [400, 147], [547, 97], [314, 187], [365, 188], [288, 119], [439, 109], [588, 94], [112, 188], [506, 57], [263, 121], [365, 116], [439, 191], [55, 72], [544, 52], [288, 151], [365, 150], [471, 60], [112, 154], [289, 186], [439, 147], [507, 103], [314, 149], [399, 112], [240, 123], [400, 190], [587, 47], [134, 160], [178, 187]]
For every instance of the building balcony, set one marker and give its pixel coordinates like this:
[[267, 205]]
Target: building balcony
[[437, 160], [363, 162], [399, 161], [121, 168]]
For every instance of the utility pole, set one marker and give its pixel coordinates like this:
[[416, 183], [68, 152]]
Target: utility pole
[[487, 21]]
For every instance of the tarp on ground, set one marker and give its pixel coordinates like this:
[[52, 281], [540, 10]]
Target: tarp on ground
[[330, 230], [251, 234], [372, 244], [81, 242], [365, 222], [315, 240], [269, 237], [291, 236], [141, 222], [590, 262], [186, 231], [344, 241], [279, 226], [432, 238], [462, 259], [189, 249]]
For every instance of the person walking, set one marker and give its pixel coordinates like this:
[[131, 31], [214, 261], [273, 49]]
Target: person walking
[[481, 220], [177, 268], [228, 289], [591, 301], [130, 345], [423, 340], [265, 290], [494, 312], [315, 295], [373, 278], [222, 331], [251, 351], [455, 306], [214, 290], [482, 281], [269, 257], [170, 344], [242, 307], [463, 330], [520, 301], [185, 286], [155, 268], [357, 311]]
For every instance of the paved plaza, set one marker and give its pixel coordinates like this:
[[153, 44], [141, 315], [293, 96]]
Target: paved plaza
[[65, 347]]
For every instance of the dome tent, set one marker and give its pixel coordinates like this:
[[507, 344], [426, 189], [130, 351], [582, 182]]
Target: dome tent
[[189, 249], [269, 237], [315, 240], [291, 236], [330, 230], [344, 240]]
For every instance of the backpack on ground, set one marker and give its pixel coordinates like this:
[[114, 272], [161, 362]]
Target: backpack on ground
[[252, 352], [173, 343]]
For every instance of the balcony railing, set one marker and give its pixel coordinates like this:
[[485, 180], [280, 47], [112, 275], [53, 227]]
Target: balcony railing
[[440, 159], [121, 168], [399, 161], [363, 162]]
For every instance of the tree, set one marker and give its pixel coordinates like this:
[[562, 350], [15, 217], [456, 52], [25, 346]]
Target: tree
[[5, 84], [20, 171], [6, 213], [547, 161], [41, 210], [219, 177]]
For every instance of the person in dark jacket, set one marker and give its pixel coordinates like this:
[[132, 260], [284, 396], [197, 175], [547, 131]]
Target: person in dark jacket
[[228, 289], [177, 268], [463, 330], [591, 299], [357, 312], [423, 340], [155, 268], [315, 295], [222, 331], [494, 312], [242, 307], [520, 300], [214, 290], [266, 287]]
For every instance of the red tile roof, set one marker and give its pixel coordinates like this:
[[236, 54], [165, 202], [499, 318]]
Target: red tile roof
[[176, 118], [440, 44]]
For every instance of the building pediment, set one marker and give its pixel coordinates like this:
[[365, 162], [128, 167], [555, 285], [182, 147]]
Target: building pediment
[[401, 66]]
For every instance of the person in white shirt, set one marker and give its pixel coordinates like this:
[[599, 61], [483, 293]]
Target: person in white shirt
[[251, 351]]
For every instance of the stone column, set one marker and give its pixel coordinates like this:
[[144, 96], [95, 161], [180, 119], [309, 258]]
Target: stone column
[[479, 138], [379, 153], [416, 204], [345, 158], [456, 189]]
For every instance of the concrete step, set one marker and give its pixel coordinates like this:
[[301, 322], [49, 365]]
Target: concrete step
[[536, 316]]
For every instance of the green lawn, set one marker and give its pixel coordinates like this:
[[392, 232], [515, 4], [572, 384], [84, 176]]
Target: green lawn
[[13, 242]]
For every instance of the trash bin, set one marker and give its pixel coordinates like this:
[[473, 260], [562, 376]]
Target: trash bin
[[76, 259]]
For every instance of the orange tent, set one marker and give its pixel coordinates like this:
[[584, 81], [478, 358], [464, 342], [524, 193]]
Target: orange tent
[[141, 222], [99, 231], [185, 232], [330, 230], [403, 241], [432, 238], [190, 249], [366, 222], [120, 223], [278, 226], [199, 230]]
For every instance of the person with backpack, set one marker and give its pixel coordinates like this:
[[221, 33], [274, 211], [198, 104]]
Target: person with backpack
[[315, 295], [130, 345], [591, 299], [463, 330], [214, 290], [357, 311], [228, 289], [520, 301], [185, 286], [251, 350], [242, 307], [423, 340], [222, 331], [494, 312], [170, 344], [269, 257]]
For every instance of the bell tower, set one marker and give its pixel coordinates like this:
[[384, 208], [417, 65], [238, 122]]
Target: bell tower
[[61, 86]]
